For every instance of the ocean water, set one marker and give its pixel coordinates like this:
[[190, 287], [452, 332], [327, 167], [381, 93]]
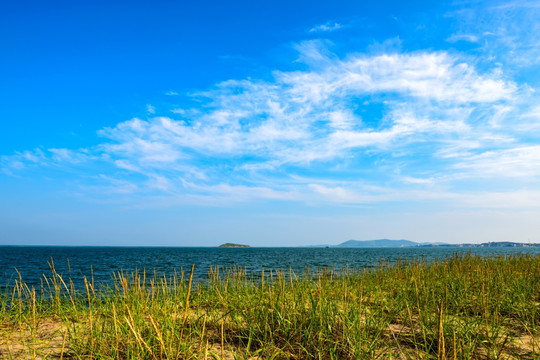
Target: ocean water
[[77, 262]]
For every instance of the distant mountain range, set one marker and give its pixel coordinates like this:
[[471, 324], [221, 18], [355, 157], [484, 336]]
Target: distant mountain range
[[378, 243], [388, 243]]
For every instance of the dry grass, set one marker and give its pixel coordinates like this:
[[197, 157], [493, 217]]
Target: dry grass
[[459, 308]]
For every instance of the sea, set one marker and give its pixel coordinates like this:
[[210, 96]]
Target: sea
[[33, 262]]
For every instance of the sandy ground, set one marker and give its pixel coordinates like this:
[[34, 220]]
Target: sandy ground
[[50, 340]]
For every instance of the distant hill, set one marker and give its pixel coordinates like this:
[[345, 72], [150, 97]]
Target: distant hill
[[500, 244], [387, 243], [232, 245]]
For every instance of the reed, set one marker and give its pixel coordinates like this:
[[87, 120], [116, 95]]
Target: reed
[[462, 307]]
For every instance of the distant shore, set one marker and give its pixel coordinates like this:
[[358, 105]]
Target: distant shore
[[233, 245], [388, 243]]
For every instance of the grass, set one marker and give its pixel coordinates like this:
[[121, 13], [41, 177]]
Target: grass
[[463, 307]]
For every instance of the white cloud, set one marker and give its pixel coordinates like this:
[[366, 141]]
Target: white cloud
[[110, 185], [68, 155], [338, 194], [249, 138], [533, 115], [431, 76], [418, 181], [521, 161], [506, 30], [124, 164], [238, 193], [148, 143], [326, 27], [463, 37], [39, 158], [160, 183]]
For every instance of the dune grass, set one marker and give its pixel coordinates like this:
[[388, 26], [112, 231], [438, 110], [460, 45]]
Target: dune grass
[[463, 307]]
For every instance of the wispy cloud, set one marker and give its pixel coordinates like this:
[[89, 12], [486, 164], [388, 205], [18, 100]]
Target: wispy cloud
[[506, 30], [308, 116], [60, 158], [415, 122], [326, 27], [150, 109], [463, 37], [520, 161]]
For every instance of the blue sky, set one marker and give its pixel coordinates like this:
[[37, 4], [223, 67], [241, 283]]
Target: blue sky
[[276, 123]]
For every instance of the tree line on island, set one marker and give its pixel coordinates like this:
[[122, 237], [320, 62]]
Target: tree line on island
[[233, 245]]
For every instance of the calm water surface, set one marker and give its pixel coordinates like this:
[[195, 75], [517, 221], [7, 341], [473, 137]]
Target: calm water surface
[[77, 262]]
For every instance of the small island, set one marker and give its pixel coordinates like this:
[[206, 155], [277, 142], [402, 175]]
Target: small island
[[232, 245]]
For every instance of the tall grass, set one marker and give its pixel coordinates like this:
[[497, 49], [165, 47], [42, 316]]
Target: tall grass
[[463, 307]]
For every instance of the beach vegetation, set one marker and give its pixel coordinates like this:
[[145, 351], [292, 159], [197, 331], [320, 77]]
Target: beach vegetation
[[461, 307]]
